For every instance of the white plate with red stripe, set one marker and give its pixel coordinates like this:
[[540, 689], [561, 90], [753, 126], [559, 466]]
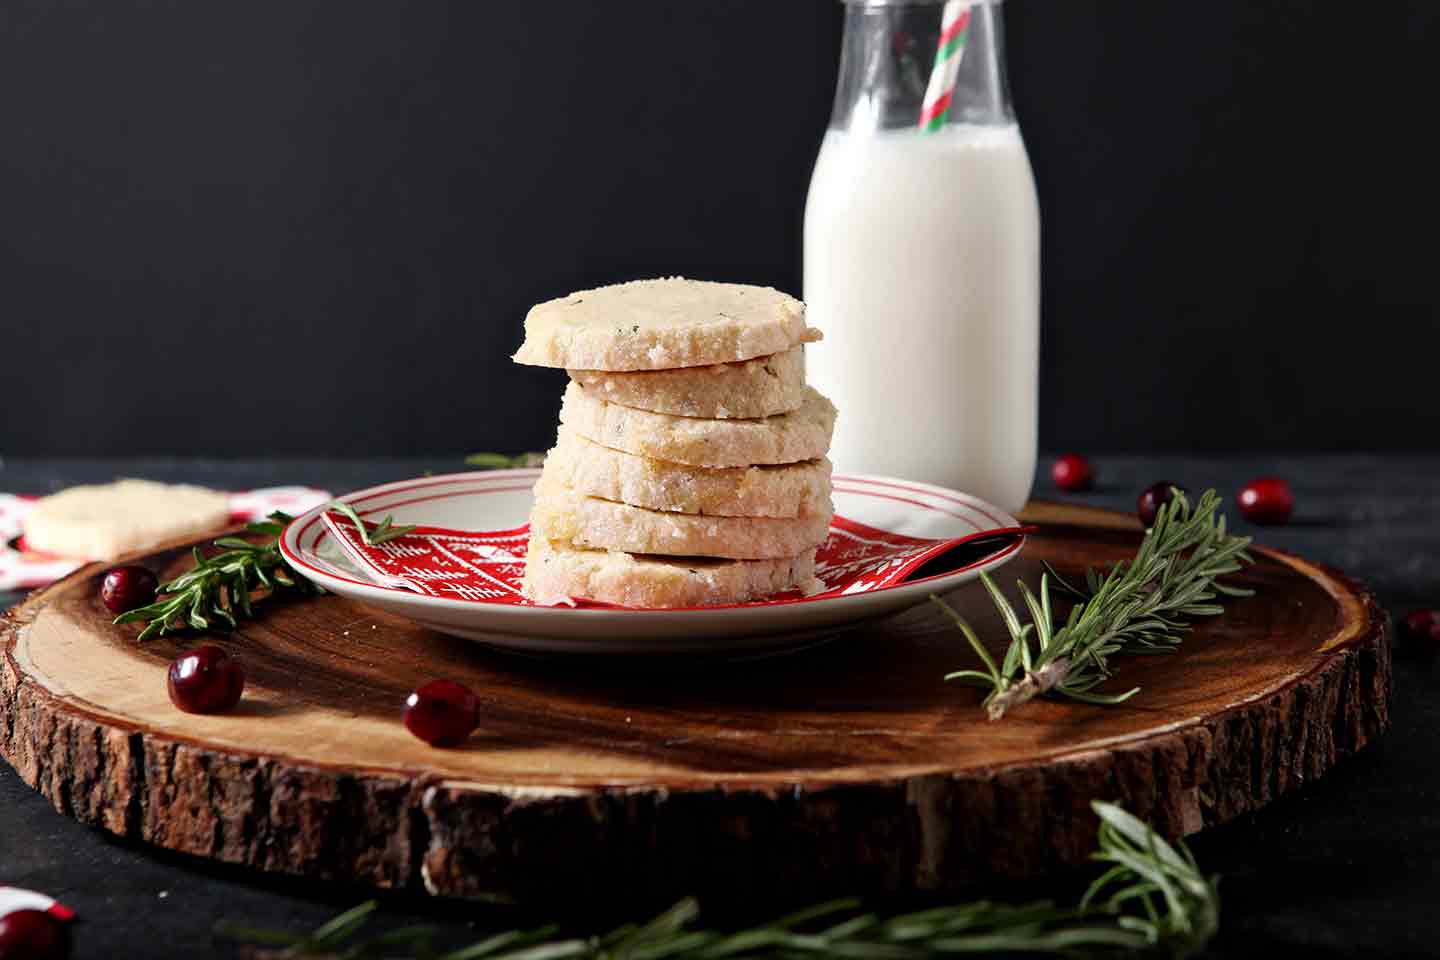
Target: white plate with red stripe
[[884, 528]]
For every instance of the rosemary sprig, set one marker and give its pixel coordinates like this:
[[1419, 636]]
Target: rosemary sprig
[[1152, 898], [1178, 906], [383, 531], [1138, 607], [502, 461], [218, 590]]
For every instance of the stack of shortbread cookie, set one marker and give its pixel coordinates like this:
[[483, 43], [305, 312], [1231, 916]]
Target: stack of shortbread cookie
[[690, 463]]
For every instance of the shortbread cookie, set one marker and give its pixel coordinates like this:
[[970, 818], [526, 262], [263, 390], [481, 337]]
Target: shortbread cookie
[[554, 572], [785, 490], [564, 516], [103, 522], [788, 438], [659, 324], [762, 387]]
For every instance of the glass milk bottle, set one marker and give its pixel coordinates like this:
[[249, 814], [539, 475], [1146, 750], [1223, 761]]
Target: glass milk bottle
[[922, 254]]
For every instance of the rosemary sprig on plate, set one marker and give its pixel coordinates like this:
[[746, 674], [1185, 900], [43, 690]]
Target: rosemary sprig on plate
[[382, 532], [217, 591], [1153, 898], [1138, 607]]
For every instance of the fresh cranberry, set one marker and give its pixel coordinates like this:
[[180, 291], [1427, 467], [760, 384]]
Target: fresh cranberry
[[33, 935], [1072, 472], [127, 588], [1150, 502], [442, 713], [1421, 630], [1266, 500], [205, 680]]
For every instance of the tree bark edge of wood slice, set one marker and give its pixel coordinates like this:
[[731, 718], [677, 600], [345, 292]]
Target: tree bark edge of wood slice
[[729, 841]]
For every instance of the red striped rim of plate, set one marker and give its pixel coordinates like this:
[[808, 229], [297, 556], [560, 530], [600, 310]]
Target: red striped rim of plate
[[485, 566]]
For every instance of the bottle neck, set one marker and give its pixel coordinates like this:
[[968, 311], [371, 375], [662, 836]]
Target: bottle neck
[[921, 66]]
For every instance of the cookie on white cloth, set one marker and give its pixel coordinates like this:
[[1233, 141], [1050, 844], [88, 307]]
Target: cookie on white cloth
[[784, 490], [803, 434], [565, 516], [102, 522], [762, 387], [555, 572], [659, 324]]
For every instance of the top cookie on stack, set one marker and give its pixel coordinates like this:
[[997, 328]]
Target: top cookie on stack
[[662, 324], [687, 431]]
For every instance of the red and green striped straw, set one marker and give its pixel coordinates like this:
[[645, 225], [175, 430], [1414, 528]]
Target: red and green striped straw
[[954, 30]]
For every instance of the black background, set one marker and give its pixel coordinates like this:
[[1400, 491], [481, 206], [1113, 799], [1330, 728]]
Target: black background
[[283, 226]]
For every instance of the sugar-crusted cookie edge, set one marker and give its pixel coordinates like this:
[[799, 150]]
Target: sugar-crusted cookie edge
[[563, 515], [759, 387], [772, 490], [555, 573], [706, 342], [802, 434], [204, 509]]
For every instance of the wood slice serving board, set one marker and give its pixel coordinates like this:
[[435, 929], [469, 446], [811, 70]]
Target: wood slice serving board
[[847, 768]]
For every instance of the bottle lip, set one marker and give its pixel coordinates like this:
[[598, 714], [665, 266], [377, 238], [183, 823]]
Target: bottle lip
[[914, 3]]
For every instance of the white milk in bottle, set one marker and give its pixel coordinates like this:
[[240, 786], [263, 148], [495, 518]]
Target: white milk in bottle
[[922, 257]]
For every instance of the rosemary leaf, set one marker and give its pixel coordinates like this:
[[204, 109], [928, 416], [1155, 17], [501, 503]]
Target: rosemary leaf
[[502, 461], [216, 592], [1140, 607], [341, 928], [1152, 898], [383, 532]]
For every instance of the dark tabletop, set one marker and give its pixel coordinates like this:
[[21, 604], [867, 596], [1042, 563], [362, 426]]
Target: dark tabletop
[[1349, 866]]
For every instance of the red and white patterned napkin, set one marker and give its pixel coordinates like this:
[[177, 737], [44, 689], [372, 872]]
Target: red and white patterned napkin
[[16, 898], [22, 569], [486, 567]]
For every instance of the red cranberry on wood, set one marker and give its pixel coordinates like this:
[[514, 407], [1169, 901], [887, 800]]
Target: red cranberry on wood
[[442, 713], [128, 588], [1150, 502], [205, 680], [33, 935], [1072, 472], [1266, 500], [1421, 630]]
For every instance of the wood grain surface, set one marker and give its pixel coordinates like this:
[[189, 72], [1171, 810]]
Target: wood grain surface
[[848, 768]]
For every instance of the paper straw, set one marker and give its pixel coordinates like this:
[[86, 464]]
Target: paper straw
[[954, 31]]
